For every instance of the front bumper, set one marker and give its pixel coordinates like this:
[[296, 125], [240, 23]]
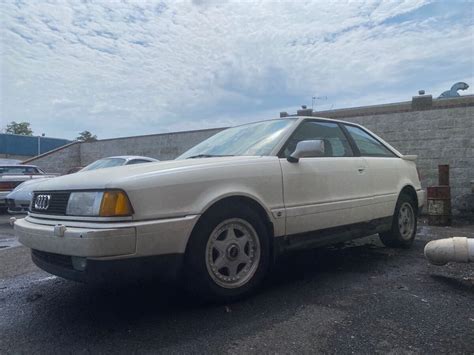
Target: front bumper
[[119, 246], [164, 267], [75, 241]]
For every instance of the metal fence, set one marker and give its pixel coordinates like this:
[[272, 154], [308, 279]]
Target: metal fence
[[13, 144]]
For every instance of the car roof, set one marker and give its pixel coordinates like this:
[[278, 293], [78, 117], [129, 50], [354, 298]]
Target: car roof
[[18, 166], [299, 118], [323, 119], [130, 157]]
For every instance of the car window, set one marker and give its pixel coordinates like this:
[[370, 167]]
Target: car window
[[335, 142], [252, 139], [368, 145], [138, 161], [19, 170], [104, 163]]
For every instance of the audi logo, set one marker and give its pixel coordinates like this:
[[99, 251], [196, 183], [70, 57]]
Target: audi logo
[[42, 202]]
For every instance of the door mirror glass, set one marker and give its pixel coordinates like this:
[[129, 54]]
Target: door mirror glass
[[310, 148]]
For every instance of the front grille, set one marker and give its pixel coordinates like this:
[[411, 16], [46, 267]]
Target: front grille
[[64, 261], [57, 203]]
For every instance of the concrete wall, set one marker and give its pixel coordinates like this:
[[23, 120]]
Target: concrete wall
[[14, 156], [159, 146], [59, 161], [439, 131]]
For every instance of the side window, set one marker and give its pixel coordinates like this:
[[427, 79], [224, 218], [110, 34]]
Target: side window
[[335, 142], [368, 145], [138, 161]]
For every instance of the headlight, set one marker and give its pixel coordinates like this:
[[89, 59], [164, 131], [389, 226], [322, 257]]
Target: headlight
[[84, 203], [111, 203]]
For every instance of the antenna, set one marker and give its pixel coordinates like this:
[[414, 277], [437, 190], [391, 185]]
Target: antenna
[[314, 98]]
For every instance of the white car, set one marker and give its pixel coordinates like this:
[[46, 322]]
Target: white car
[[219, 214], [18, 200]]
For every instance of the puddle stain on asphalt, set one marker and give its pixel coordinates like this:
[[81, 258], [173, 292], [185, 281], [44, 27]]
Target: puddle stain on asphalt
[[9, 243]]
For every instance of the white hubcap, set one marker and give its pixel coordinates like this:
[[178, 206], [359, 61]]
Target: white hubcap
[[406, 221], [232, 253]]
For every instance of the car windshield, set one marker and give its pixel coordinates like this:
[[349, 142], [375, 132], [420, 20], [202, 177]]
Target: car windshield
[[104, 163], [252, 139], [19, 170]]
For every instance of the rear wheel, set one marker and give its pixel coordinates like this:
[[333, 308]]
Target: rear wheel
[[403, 231], [228, 254]]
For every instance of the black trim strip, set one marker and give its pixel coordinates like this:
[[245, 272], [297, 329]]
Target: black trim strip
[[333, 235], [375, 138], [352, 143]]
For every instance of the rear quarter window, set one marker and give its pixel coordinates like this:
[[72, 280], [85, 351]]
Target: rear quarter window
[[368, 145]]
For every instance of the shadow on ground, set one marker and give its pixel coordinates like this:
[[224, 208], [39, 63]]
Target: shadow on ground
[[344, 298]]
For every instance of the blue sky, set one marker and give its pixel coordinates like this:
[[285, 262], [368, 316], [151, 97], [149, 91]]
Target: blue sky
[[120, 68]]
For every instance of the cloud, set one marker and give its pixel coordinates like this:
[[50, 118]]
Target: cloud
[[122, 68]]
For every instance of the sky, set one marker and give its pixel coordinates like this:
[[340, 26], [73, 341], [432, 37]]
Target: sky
[[121, 68]]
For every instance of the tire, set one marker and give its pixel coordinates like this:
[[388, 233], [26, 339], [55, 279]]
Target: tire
[[228, 254], [403, 231]]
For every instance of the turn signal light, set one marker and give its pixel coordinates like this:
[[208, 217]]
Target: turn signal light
[[115, 203]]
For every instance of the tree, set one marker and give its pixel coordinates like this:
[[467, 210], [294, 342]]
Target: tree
[[22, 128], [86, 136]]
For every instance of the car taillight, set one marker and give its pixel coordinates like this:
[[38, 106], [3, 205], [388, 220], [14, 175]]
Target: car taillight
[[8, 185]]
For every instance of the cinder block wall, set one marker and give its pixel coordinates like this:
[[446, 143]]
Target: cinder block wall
[[164, 146], [60, 160], [159, 146]]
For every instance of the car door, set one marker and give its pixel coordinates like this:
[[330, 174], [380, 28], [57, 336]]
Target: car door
[[325, 191], [383, 169]]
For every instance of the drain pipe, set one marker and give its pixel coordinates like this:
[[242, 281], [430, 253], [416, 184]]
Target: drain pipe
[[456, 249]]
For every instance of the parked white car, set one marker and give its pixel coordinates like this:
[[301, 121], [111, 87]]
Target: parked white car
[[220, 214], [18, 200]]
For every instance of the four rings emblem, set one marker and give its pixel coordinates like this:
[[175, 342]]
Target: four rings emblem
[[42, 202]]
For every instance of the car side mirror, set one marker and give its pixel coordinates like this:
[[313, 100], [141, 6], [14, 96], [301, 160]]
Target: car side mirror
[[312, 148]]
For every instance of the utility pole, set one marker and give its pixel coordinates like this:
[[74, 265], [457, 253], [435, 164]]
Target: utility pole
[[39, 143]]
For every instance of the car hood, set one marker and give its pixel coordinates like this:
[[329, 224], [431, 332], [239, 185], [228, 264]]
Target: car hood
[[123, 176]]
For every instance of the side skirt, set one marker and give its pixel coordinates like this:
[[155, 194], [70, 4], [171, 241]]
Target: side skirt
[[331, 235]]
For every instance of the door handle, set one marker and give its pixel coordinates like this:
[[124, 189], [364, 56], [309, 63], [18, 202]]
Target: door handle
[[361, 170]]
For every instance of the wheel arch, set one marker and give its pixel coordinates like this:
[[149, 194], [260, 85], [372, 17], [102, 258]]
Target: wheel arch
[[244, 199], [409, 190]]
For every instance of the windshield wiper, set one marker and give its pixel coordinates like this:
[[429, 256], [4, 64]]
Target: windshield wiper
[[208, 156]]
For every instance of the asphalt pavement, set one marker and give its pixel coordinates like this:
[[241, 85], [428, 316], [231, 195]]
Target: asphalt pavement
[[354, 298]]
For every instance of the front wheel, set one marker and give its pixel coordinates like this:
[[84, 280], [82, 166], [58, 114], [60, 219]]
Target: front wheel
[[228, 254], [403, 231]]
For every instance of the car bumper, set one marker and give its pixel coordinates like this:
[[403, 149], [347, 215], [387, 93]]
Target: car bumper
[[63, 250], [3, 197], [16, 206], [164, 267], [421, 195]]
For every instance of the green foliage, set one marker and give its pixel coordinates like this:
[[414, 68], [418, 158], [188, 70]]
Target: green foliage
[[86, 136], [22, 128]]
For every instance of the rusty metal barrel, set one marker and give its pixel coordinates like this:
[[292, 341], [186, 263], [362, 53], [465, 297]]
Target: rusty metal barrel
[[439, 199]]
